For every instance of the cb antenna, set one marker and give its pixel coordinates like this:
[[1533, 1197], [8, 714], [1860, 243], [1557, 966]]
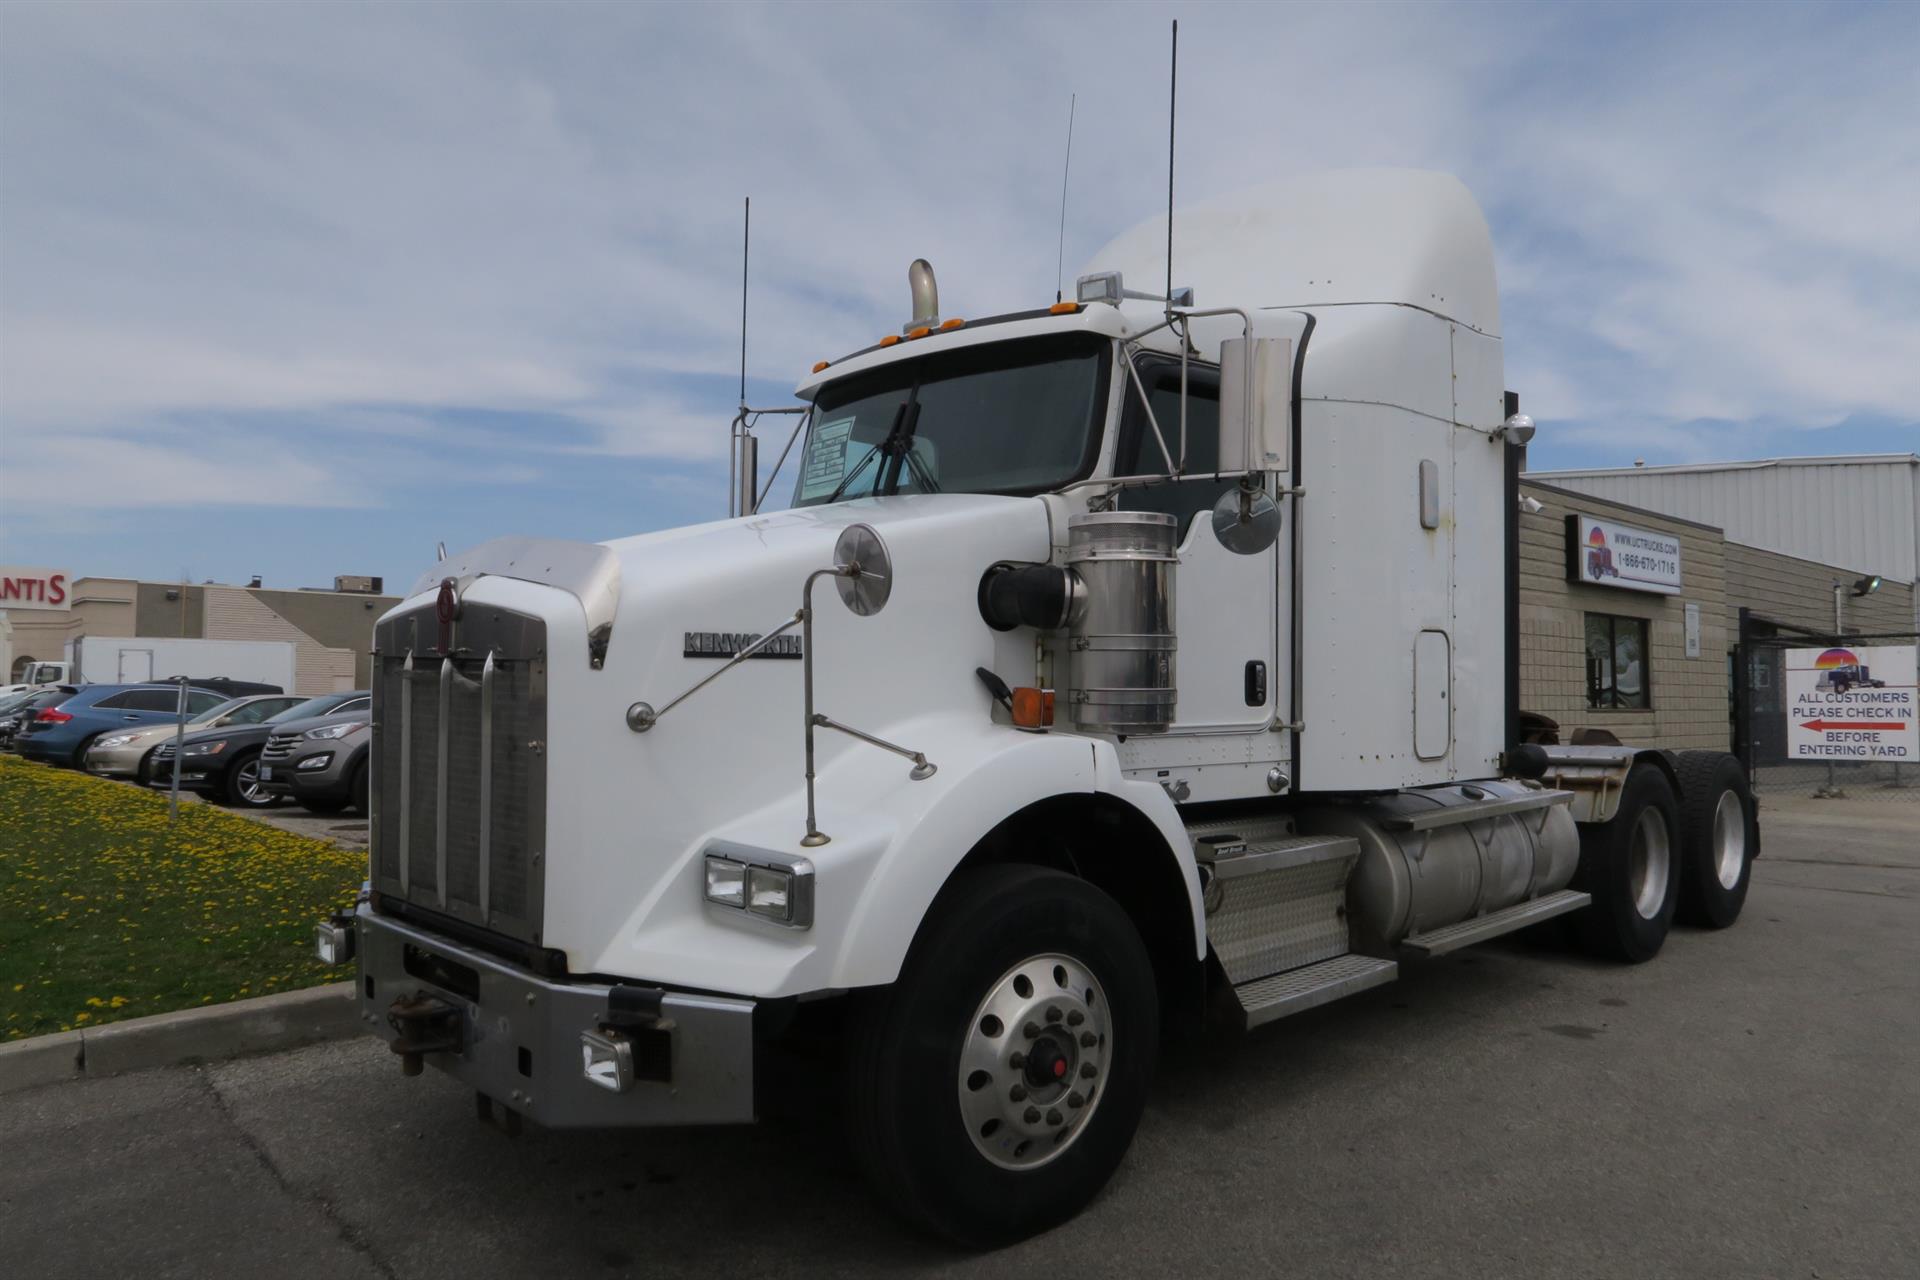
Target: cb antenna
[[1060, 262], [746, 241], [1173, 99], [743, 449]]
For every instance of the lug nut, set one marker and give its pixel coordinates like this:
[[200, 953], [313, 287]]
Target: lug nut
[[1032, 1116], [1031, 1031], [1088, 1071], [1075, 1018], [1054, 1117], [1018, 1093], [1017, 1060], [1053, 1015], [1075, 1100], [1088, 1039]]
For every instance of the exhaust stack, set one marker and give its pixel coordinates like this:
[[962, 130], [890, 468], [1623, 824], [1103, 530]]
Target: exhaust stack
[[926, 296]]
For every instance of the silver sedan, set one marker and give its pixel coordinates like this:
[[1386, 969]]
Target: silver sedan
[[124, 755]]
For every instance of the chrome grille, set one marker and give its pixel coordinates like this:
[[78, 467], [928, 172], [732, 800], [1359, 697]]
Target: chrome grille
[[279, 746], [459, 802]]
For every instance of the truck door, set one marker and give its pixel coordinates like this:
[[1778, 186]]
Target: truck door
[[1224, 604], [136, 666]]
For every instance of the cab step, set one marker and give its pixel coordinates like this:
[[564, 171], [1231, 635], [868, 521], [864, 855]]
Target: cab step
[[1495, 923], [1297, 990]]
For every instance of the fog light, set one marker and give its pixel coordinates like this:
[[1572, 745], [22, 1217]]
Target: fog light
[[316, 762], [726, 882], [333, 941], [606, 1059]]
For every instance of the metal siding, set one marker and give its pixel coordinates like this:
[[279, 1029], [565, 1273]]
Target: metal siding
[[1858, 515]]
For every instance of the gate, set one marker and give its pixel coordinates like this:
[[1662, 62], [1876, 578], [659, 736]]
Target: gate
[[1825, 715]]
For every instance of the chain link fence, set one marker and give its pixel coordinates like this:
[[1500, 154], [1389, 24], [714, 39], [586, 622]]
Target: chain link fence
[[1829, 716]]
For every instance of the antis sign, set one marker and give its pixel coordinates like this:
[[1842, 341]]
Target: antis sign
[[1601, 553], [25, 588]]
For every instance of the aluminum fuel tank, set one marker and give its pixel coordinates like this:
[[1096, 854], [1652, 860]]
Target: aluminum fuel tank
[[1121, 637], [1439, 855]]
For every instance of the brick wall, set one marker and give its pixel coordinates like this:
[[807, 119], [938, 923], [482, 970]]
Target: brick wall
[[1688, 695]]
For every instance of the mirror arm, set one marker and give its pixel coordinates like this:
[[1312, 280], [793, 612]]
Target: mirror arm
[[1152, 421], [641, 716]]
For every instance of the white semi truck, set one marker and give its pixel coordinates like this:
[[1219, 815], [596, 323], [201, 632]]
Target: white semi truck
[[1118, 664]]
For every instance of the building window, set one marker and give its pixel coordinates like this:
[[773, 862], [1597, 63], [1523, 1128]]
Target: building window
[[1617, 671]]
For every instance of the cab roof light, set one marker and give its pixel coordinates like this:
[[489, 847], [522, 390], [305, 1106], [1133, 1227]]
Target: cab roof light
[[821, 365], [890, 339], [920, 332], [954, 323], [1064, 308]]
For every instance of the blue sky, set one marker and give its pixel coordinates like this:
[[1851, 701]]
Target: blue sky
[[298, 290]]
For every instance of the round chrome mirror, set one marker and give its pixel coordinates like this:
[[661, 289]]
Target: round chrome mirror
[[1247, 521], [869, 580]]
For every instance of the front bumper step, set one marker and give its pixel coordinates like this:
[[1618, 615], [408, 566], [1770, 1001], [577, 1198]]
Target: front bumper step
[[520, 1039]]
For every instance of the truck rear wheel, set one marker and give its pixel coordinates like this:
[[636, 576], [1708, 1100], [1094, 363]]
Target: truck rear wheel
[[1719, 834], [996, 1085], [1632, 867]]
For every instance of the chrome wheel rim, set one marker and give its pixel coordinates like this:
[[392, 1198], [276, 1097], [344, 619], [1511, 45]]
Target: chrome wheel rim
[[1729, 839], [249, 778], [1033, 1065], [1649, 862]]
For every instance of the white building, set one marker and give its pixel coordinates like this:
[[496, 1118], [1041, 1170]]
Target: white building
[[1859, 512]]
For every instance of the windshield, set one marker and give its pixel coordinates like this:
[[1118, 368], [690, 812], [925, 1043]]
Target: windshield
[[1004, 417], [311, 707]]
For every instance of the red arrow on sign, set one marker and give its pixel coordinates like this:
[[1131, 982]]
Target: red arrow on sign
[[1853, 724]]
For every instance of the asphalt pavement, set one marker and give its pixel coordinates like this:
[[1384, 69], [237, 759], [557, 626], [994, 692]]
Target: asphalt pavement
[[1745, 1105]]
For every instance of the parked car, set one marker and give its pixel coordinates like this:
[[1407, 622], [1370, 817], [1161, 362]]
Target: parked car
[[61, 734], [321, 763], [20, 708], [223, 764], [232, 688], [124, 755]]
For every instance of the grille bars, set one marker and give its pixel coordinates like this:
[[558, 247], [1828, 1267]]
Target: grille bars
[[406, 773], [486, 787], [440, 780]]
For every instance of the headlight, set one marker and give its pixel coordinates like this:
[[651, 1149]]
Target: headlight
[[329, 732], [333, 939], [774, 886], [117, 740], [606, 1059], [205, 748], [320, 761]]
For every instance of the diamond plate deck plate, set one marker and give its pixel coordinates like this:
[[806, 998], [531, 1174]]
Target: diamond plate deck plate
[[1298, 990], [1280, 919], [1494, 923]]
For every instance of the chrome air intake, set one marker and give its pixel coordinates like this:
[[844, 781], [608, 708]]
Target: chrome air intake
[[1120, 635]]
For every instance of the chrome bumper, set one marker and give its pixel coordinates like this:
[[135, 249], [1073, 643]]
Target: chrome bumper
[[519, 1036]]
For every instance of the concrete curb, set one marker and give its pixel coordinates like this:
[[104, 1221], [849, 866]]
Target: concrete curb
[[266, 1024]]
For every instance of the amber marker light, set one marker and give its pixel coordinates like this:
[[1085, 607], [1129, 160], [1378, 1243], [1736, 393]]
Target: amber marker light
[[890, 339], [1064, 308], [921, 332], [1033, 708], [818, 367], [954, 323]]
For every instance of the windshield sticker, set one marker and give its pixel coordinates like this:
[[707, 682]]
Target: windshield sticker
[[826, 458]]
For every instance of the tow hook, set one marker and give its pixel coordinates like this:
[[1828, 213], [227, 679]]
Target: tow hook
[[426, 1024]]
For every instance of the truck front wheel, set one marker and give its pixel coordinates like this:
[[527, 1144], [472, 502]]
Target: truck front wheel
[[1632, 866], [997, 1084]]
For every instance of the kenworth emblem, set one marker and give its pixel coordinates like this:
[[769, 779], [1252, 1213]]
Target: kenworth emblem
[[724, 644]]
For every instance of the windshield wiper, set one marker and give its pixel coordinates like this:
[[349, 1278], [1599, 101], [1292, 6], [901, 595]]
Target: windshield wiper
[[899, 416]]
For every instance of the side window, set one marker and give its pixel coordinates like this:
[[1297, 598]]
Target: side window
[[118, 702], [356, 704], [199, 700], [252, 713], [1138, 453]]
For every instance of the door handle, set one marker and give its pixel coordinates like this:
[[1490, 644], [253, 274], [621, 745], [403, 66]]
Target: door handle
[[129, 717], [1256, 684]]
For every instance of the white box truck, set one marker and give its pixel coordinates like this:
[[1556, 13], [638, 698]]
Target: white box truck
[[1120, 663], [136, 659]]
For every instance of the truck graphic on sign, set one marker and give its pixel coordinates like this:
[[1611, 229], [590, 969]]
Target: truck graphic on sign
[[1840, 671], [1599, 557]]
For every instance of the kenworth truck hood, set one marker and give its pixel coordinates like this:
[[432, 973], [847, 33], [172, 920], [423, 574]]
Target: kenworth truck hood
[[628, 814]]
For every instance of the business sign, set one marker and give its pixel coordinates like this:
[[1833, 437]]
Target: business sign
[[1601, 553], [1851, 703], [25, 588]]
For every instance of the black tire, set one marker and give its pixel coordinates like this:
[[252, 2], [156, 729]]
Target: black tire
[[323, 805], [1630, 915], [357, 789], [143, 772], [79, 758], [1719, 846], [905, 1057], [240, 787]]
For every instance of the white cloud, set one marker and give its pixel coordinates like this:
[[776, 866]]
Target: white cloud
[[327, 213]]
